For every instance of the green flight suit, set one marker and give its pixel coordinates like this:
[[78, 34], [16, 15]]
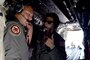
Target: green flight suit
[[14, 41]]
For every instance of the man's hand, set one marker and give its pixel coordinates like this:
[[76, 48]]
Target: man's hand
[[29, 32], [49, 42]]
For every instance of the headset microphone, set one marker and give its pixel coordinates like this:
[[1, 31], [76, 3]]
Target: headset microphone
[[29, 21]]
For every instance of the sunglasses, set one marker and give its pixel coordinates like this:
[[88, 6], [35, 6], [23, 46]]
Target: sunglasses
[[49, 22]]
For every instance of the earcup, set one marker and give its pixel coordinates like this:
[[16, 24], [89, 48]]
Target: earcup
[[18, 8]]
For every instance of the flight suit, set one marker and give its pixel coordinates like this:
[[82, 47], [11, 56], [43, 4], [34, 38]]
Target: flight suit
[[14, 41]]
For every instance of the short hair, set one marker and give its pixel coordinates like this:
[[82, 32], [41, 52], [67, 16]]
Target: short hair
[[55, 18]]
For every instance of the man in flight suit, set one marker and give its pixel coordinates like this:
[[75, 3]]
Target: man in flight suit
[[15, 40]]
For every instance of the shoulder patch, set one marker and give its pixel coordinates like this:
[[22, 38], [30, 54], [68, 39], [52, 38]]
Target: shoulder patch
[[15, 30]]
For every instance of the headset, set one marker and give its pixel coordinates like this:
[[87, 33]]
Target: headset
[[18, 8]]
